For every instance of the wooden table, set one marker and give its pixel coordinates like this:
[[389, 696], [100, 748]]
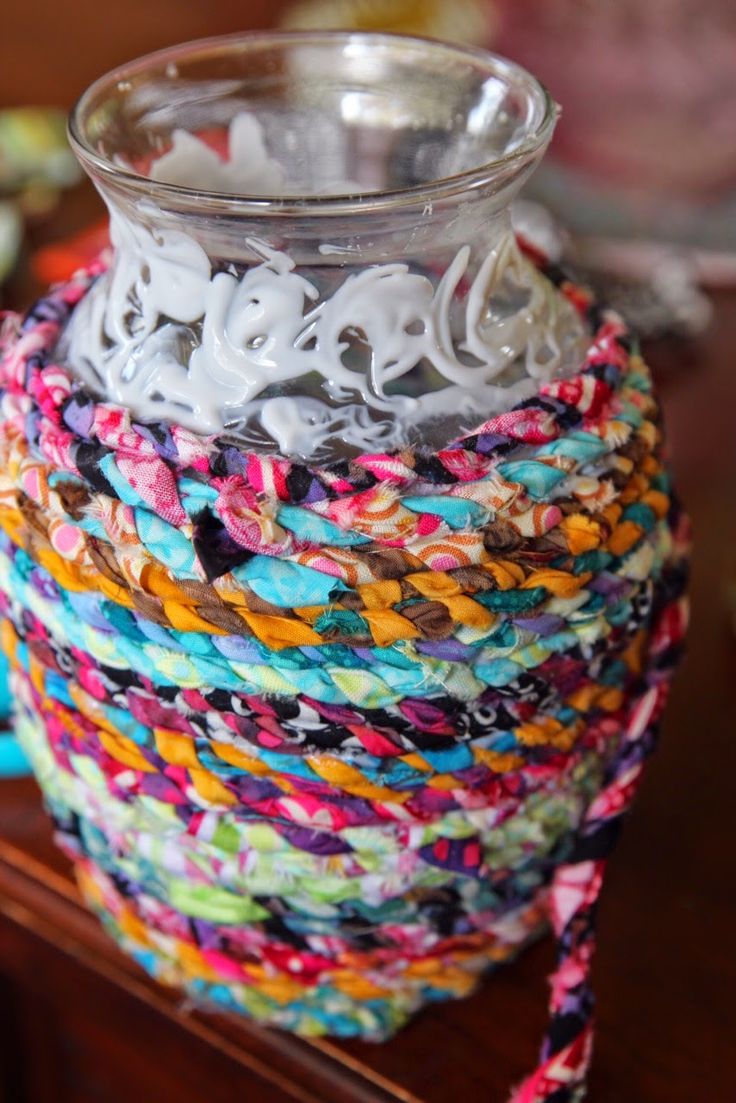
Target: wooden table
[[80, 1023]]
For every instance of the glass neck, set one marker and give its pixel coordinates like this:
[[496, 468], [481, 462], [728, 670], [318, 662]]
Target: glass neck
[[319, 337], [422, 232]]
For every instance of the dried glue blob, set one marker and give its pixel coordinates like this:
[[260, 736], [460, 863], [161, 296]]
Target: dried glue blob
[[320, 271], [377, 361]]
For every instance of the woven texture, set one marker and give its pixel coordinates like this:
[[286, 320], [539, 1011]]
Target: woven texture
[[325, 744]]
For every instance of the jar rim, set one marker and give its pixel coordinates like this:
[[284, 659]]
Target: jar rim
[[474, 179]]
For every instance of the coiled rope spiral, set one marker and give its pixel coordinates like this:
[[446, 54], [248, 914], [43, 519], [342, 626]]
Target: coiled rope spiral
[[325, 744]]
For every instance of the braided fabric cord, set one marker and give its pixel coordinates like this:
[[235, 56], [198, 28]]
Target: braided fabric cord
[[328, 743]]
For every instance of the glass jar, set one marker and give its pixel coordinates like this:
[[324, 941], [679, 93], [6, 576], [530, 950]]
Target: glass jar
[[328, 741], [312, 243]]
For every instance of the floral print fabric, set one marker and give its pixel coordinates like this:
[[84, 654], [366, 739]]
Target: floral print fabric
[[328, 743]]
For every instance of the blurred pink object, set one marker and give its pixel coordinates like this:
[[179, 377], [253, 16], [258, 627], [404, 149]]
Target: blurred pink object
[[648, 88]]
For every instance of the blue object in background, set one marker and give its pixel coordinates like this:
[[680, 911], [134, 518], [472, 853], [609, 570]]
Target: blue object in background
[[13, 763], [5, 698]]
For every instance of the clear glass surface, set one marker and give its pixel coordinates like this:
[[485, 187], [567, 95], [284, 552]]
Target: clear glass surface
[[382, 156]]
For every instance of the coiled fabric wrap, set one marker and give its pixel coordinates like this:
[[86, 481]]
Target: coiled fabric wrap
[[325, 744]]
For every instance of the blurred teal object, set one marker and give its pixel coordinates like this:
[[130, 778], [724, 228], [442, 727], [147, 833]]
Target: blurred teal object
[[5, 698], [13, 762]]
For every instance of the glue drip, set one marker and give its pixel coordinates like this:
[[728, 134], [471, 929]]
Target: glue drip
[[259, 354]]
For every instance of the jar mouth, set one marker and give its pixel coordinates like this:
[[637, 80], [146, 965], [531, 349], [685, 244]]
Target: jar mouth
[[95, 109]]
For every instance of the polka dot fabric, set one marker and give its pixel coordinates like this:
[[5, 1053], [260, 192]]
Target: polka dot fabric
[[326, 744]]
